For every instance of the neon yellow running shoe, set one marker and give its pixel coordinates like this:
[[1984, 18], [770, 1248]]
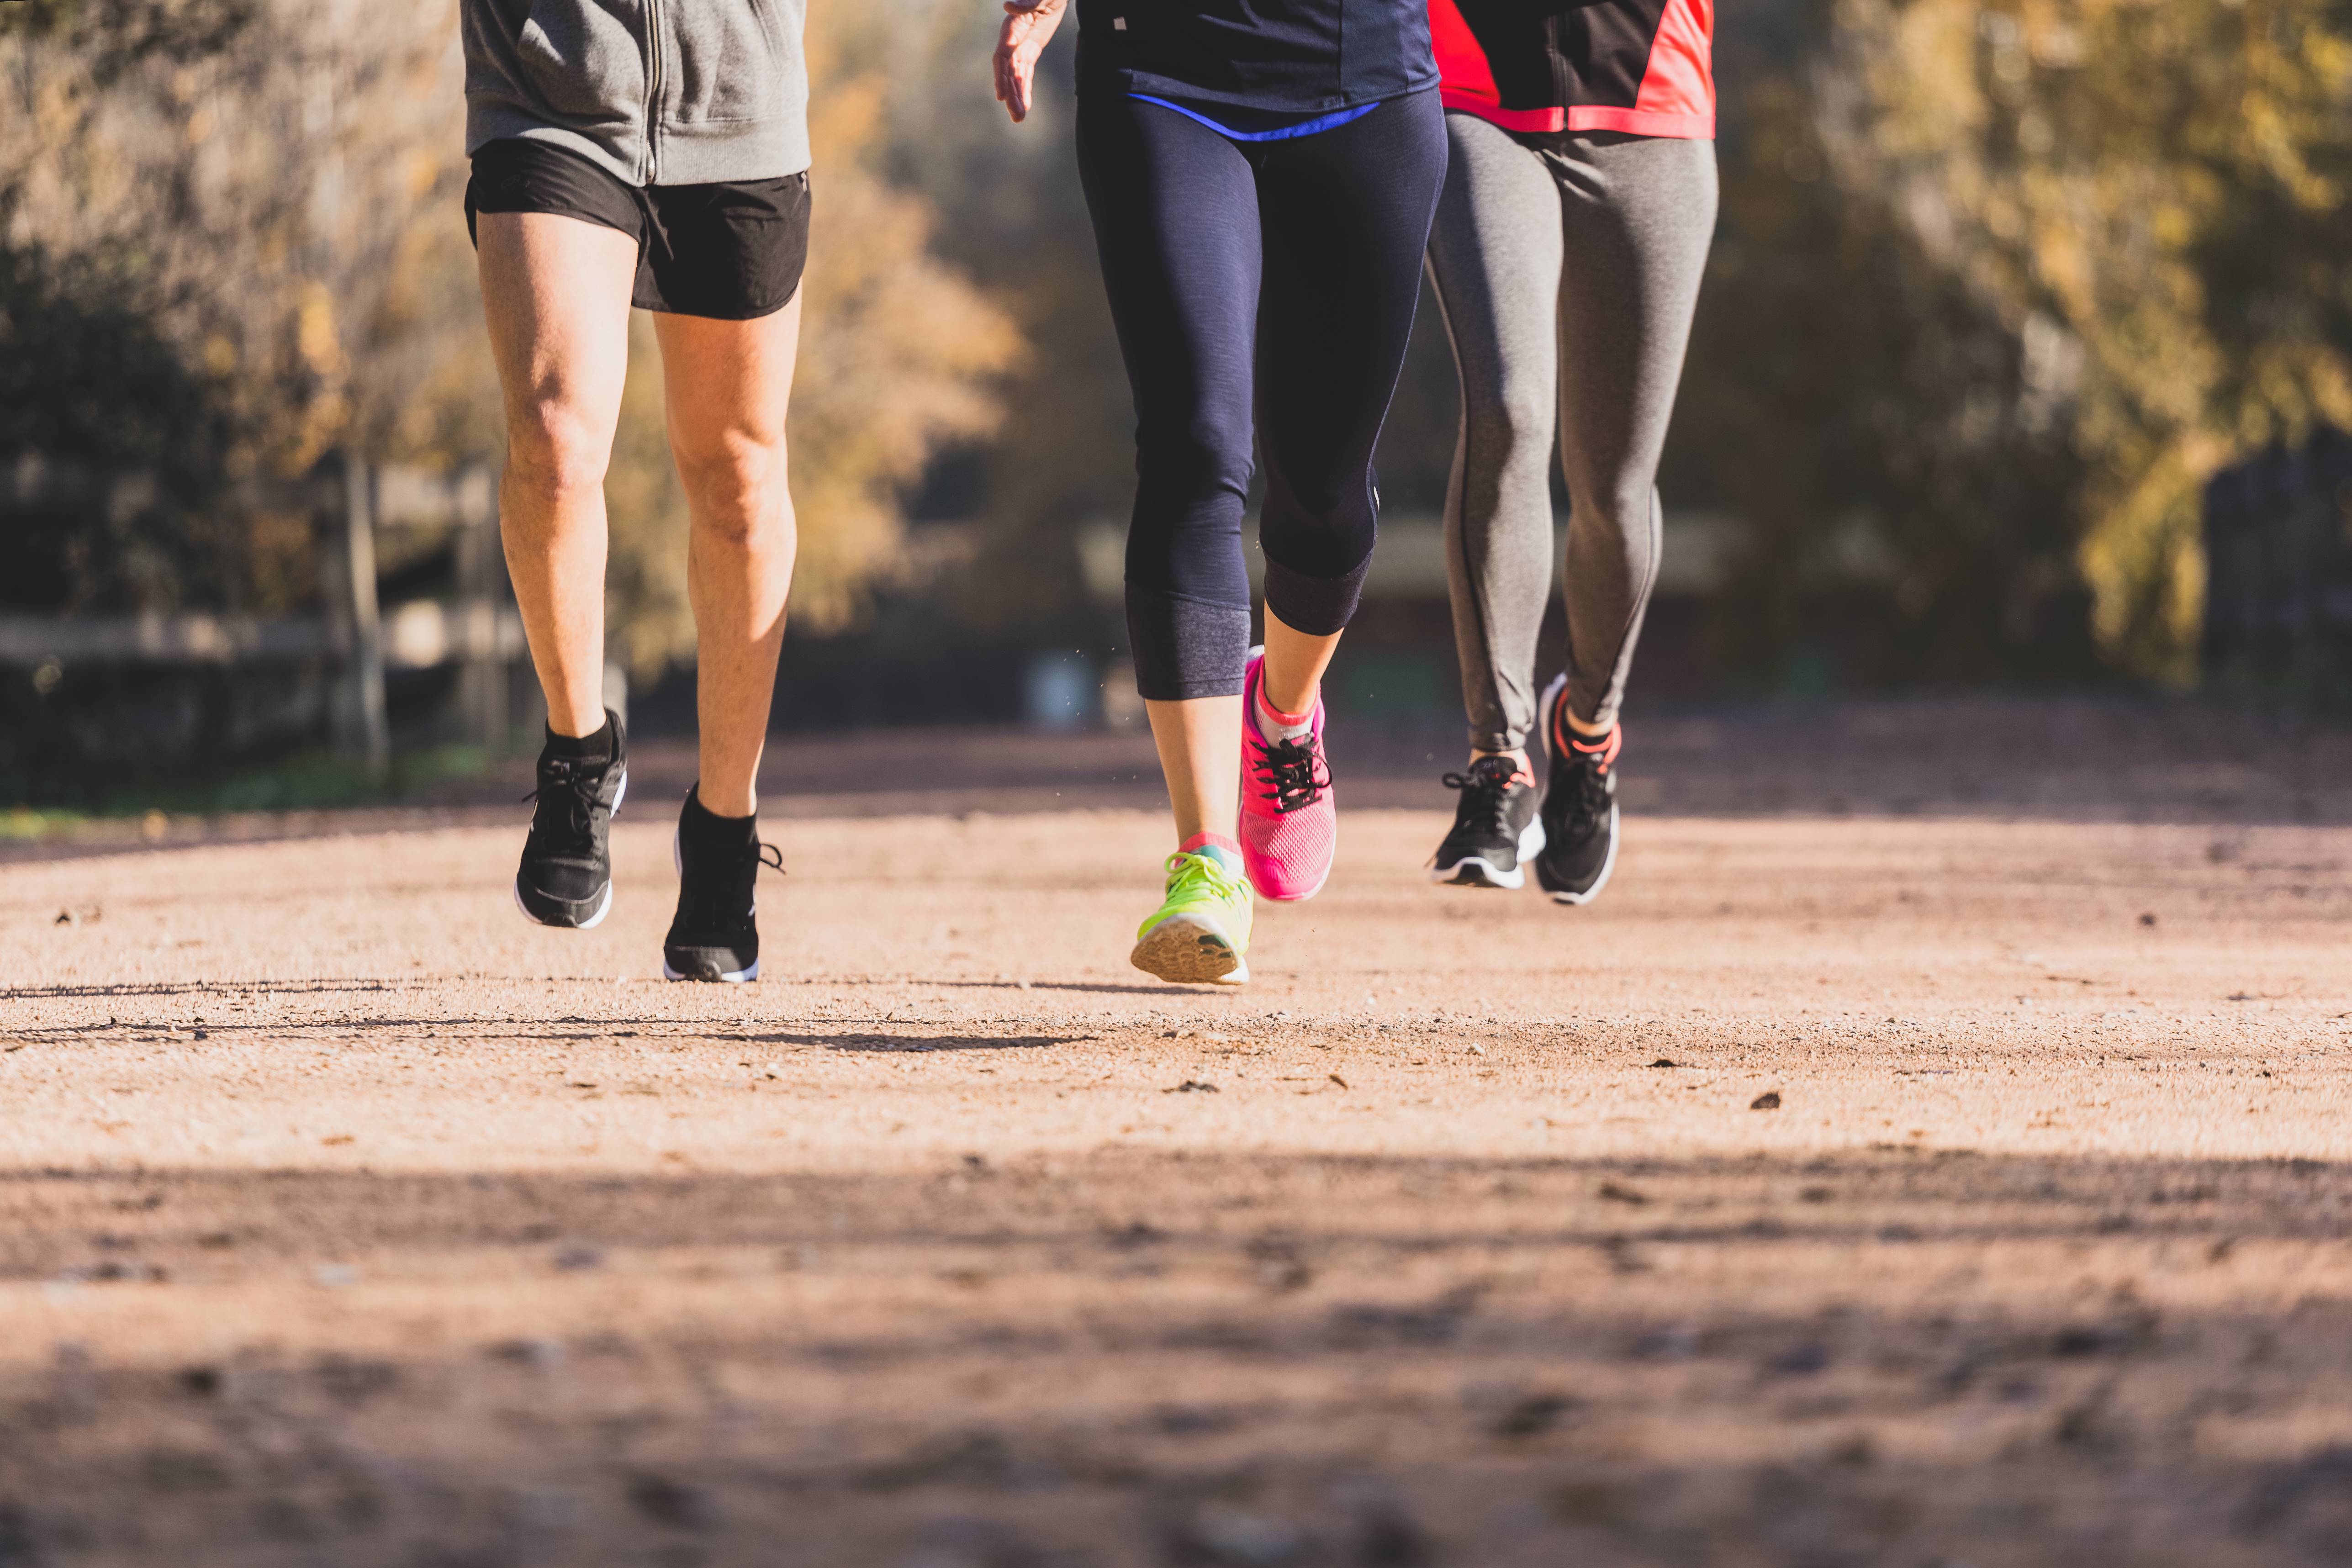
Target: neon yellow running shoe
[[1199, 936]]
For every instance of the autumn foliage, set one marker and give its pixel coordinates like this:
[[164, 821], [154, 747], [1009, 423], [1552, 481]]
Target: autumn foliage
[[271, 190], [1999, 286]]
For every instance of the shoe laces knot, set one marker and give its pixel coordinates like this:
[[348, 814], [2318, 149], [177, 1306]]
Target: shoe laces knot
[[1189, 872], [1485, 789], [566, 795], [1293, 772]]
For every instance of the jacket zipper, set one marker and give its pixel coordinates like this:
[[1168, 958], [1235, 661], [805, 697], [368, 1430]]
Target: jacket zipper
[[653, 88]]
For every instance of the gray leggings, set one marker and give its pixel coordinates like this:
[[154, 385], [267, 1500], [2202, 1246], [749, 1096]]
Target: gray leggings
[[1568, 276]]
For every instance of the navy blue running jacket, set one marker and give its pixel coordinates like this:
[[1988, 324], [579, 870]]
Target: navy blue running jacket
[[1289, 56]]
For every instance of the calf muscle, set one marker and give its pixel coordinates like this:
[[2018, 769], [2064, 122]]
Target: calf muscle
[[730, 388], [555, 293]]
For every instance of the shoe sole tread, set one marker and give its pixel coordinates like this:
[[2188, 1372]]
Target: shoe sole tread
[[1190, 950]]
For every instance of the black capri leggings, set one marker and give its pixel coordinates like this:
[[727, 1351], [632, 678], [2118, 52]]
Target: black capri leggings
[[1295, 264]]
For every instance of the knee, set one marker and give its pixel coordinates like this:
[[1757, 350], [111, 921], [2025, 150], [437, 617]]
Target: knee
[[1510, 423], [735, 488], [557, 447], [1318, 495], [1195, 460], [1619, 514]]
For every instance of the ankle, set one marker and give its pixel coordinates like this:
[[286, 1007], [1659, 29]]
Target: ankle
[[1284, 709], [1223, 848], [1518, 755], [1276, 723], [729, 801], [597, 745], [702, 822], [1582, 730]]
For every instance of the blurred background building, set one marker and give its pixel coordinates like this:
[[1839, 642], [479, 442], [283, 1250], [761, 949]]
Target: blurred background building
[[2023, 322]]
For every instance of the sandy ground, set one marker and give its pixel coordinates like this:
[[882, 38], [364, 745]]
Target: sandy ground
[[1932, 1151]]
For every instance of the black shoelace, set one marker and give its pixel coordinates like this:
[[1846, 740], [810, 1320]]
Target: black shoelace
[[1296, 771], [1486, 794], [720, 893], [566, 795]]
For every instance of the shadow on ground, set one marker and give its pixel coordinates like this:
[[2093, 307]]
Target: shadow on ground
[[1877, 1357]]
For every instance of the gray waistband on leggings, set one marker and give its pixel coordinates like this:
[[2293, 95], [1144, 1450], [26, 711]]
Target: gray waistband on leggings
[[1568, 275]]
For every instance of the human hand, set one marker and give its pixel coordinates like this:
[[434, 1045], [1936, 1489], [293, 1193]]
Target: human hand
[[1029, 26]]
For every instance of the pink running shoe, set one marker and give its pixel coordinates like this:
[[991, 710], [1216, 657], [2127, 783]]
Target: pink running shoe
[[1290, 828]]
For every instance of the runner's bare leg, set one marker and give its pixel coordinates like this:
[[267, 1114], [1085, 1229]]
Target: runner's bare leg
[[730, 384], [555, 291]]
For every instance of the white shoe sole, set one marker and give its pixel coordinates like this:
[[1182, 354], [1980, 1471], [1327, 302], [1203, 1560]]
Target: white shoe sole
[[1190, 950], [604, 907], [726, 977], [1477, 871]]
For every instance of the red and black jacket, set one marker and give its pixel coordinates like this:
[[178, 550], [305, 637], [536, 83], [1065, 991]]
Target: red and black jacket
[[1642, 67]]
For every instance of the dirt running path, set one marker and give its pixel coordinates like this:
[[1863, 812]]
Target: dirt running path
[[345, 1219]]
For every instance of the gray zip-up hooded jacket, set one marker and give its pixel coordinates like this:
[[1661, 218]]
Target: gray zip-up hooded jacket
[[660, 92]]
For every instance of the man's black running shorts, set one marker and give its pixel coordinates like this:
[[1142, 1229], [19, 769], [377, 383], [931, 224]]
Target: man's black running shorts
[[732, 251]]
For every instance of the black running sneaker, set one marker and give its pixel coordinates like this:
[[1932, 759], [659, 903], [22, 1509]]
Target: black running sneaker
[[567, 862], [1580, 806], [716, 936], [1495, 827]]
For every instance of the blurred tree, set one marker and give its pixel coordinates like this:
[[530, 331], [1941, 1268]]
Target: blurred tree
[[2150, 199], [1013, 219], [1902, 468], [1998, 284], [110, 35], [273, 189], [270, 188], [91, 385], [900, 356]]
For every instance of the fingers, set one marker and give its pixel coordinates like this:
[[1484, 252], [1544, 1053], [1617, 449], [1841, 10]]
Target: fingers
[[1028, 25], [1003, 64], [1012, 90], [1015, 62]]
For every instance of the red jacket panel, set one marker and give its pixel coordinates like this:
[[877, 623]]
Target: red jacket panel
[[1642, 67]]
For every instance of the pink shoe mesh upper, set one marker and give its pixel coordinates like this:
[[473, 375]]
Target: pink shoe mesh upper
[[1287, 853]]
